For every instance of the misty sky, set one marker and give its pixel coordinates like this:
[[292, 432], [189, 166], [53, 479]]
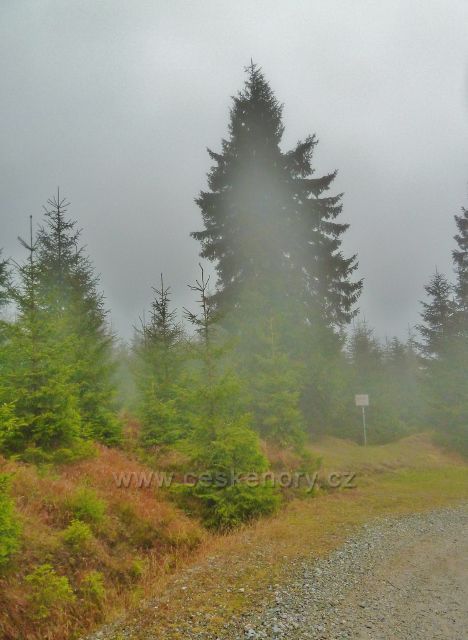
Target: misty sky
[[116, 102]]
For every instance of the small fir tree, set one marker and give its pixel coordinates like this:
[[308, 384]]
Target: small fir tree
[[157, 347]]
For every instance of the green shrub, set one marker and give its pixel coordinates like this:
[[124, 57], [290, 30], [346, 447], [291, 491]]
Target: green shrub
[[234, 449], [226, 508], [136, 568], [93, 588], [35, 455], [221, 498], [9, 526], [11, 429], [80, 450], [49, 591], [86, 505], [77, 535]]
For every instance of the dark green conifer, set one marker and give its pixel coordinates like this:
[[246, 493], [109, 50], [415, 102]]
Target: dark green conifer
[[460, 260], [41, 396], [268, 224], [69, 287], [438, 316]]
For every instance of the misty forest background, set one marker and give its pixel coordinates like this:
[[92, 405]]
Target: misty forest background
[[275, 350]]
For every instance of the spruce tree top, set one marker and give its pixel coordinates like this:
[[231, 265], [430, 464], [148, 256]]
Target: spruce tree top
[[438, 317], [65, 269], [266, 223], [4, 276], [460, 259]]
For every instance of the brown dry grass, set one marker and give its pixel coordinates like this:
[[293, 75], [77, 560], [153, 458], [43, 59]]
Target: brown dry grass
[[140, 532], [195, 576]]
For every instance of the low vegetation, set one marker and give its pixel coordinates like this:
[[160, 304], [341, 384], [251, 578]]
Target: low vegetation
[[79, 555], [9, 525], [73, 554]]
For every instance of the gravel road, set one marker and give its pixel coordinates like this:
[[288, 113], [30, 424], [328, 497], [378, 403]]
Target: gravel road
[[404, 579], [398, 579]]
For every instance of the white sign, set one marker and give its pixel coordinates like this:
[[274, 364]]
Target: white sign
[[362, 400]]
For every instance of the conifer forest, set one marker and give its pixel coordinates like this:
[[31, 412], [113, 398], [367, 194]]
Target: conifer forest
[[257, 374]]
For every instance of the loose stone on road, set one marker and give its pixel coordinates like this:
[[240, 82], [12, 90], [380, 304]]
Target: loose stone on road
[[399, 579]]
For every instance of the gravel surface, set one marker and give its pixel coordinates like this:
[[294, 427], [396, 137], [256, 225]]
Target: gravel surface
[[399, 578]]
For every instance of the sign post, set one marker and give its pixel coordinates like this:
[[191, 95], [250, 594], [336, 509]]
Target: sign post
[[362, 400]]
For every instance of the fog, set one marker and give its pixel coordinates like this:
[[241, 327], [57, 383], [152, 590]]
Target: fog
[[116, 102]]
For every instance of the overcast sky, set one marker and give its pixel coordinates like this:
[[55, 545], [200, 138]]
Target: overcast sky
[[116, 102]]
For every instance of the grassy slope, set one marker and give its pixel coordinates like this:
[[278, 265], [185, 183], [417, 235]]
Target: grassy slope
[[177, 559], [415, 452], [131, 533]]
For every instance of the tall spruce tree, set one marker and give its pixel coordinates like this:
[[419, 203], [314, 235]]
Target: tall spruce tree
[[267, 223], [458, 434], [42, 411], [445, 351], [4, 279], [460, 259], [69, 288], [275, 237], [10, 426], [438, 315]]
